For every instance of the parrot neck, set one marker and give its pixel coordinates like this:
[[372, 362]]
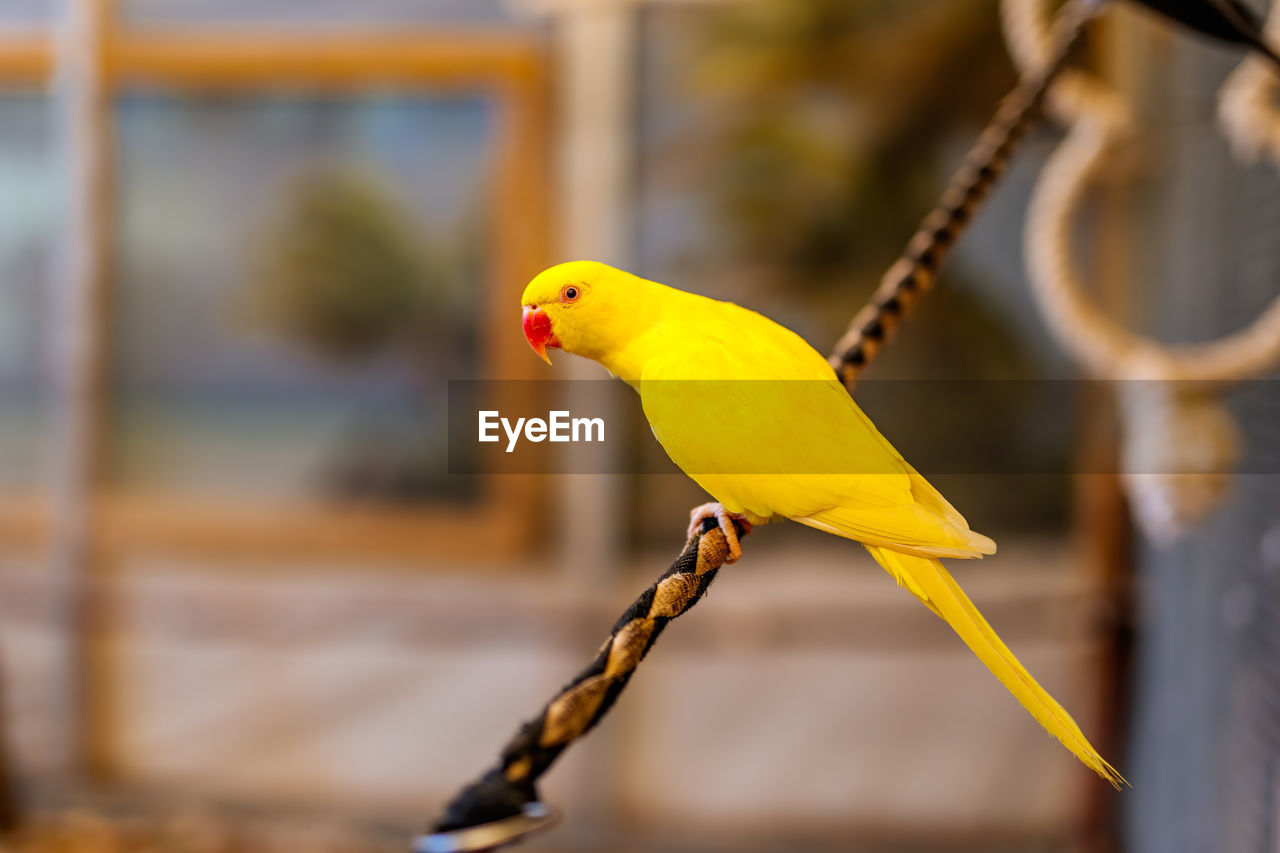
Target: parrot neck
[[627, 363], [637, 329]]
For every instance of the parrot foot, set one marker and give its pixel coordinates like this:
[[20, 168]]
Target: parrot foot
[[725, 519]]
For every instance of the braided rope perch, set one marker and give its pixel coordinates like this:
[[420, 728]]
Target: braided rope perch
[[916, 270], [504, 789]]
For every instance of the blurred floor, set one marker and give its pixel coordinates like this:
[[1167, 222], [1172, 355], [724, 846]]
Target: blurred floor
[[820, 702]]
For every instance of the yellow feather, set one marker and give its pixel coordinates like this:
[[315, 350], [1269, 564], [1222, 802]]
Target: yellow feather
[[758, 418], [930, 582]]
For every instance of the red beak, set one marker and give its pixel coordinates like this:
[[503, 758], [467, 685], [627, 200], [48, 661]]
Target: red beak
[[537, 330]]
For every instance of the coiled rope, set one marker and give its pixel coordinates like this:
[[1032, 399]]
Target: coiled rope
[[1180, 442]]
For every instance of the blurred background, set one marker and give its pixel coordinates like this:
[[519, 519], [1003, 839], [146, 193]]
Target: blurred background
[[245, 606]]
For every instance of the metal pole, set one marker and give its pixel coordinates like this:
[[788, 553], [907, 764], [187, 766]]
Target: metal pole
[[81, 107], [597, 46]]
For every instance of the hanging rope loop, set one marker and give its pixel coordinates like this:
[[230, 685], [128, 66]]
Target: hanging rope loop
[[1098, 122], [1180, 443]]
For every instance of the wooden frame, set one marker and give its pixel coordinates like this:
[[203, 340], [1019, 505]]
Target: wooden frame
[[212, 58], [510, 68]]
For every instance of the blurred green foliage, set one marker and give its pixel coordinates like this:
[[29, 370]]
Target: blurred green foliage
[[346, 271]]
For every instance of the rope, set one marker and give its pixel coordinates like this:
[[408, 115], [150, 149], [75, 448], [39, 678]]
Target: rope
[[1097, 123], [504, 790], [916, 270], [1247, 107], [1177, 425]]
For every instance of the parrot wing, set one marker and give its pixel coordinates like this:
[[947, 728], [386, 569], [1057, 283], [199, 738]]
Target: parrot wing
[[758, 418]]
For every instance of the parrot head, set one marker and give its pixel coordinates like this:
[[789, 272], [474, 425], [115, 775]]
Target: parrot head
[[583, 307]]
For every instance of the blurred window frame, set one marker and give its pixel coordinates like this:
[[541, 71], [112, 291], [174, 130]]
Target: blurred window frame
[[508, 68]]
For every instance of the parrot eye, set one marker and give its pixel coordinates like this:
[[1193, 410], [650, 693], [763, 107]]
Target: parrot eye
[[571, 293]]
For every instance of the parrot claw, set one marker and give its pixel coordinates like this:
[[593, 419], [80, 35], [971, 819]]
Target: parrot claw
[[725, 520]]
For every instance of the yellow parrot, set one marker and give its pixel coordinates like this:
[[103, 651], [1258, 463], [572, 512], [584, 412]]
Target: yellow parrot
[[758, 419]]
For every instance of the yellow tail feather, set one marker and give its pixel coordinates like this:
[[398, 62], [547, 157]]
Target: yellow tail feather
[[931, 583]]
